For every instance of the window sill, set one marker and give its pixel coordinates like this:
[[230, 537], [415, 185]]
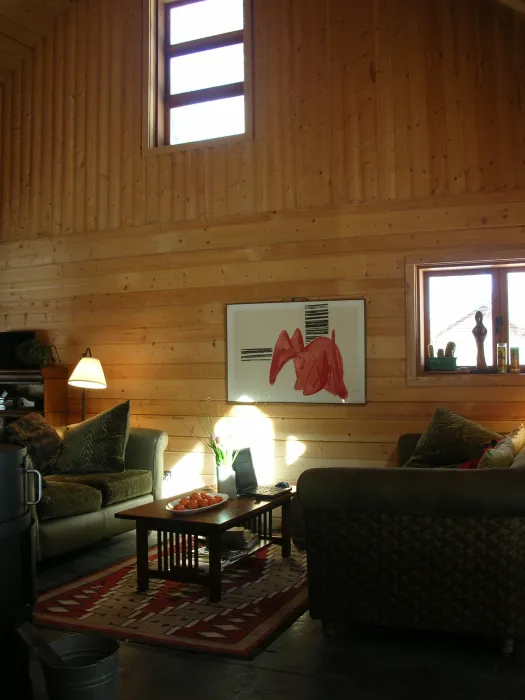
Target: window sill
[[195, 145], [466, 379]]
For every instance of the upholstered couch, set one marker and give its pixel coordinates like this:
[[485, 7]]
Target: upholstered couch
[[78, 510], [432, 549]]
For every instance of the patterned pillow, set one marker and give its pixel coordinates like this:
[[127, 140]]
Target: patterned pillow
[[41, 439], [449, 440], [502, 456], [519, 461], [96, 445]]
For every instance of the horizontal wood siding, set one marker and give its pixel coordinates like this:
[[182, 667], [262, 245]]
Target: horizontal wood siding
[[354, 103], [381, 132]]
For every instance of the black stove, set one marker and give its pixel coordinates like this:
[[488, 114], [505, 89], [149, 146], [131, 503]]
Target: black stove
[[17, 568]]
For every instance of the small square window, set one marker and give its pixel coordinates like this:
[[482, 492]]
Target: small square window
[[471, 307]]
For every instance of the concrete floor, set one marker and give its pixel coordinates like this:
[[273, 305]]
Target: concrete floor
[[363, 664]]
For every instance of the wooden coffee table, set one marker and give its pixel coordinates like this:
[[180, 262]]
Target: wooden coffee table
[[177, 553]]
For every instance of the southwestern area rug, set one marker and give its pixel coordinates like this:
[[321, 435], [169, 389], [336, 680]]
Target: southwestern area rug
[[261, 596]]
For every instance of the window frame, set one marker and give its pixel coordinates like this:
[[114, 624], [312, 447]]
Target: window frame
[[418, 271], [157, 54]]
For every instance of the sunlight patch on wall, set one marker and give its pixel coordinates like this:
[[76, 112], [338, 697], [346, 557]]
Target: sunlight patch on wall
[[186, 475], [249, 427], [294, 449]]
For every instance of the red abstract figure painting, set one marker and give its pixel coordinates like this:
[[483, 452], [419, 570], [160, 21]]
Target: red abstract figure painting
[[318, 365]]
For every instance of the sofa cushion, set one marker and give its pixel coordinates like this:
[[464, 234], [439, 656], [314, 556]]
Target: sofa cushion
[[61, 499], [450, 440], [519, 460], [97, 444], [502, 455], [41, 440], [115, 487]]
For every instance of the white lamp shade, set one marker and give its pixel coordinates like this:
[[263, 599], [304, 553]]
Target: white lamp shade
[[88, 374]]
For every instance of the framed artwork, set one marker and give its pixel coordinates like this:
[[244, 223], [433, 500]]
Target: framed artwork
[[296, 352]]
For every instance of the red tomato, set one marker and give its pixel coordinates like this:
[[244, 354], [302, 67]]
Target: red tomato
[[179, 506], [193, 496], [184, 501], [218, 499], [202, 502], [192, 505]]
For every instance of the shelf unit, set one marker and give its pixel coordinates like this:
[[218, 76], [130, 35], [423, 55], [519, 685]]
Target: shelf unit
[[46, 387]]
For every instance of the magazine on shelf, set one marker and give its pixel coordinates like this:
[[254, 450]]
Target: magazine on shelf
[[228, 556]]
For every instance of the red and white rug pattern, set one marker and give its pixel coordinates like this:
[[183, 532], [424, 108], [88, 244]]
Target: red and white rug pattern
[[261, 596]]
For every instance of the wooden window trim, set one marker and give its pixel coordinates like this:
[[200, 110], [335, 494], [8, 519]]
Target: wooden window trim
[[156, 100], [207, 43], [414, 269]]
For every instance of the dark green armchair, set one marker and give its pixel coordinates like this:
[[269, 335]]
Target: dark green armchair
[[430, 549]]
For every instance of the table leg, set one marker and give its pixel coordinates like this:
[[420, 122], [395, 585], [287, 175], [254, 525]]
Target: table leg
[[214, 544], [142, 558], [286, 526]]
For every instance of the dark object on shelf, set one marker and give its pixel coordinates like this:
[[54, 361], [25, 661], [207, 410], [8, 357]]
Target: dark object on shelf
[[441, 352], [447, 364], [480, 333], [47, 388], [488, 370], [9, 341], [31, 353]]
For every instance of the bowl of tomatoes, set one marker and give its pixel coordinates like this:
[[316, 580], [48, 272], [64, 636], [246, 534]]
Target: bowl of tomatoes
[[196, 502]]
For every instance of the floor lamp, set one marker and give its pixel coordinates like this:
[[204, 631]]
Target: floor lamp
[[88, 374]]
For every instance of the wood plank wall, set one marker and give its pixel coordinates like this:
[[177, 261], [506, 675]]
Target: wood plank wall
[[382, 130]]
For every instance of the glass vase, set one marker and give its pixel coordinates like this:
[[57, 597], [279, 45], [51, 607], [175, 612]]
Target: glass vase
[[225, 477]]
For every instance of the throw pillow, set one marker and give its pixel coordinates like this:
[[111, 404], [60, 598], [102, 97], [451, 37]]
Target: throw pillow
[[96, 445], [499, 457], [502, 455], [449, 440], [518, 438], [42, 441], [519, 461]]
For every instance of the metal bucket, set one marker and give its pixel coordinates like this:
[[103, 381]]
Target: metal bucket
[[90, 671]]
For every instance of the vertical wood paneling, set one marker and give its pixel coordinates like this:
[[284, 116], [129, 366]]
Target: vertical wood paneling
[[57, 207], [79, 209], [27, 116], [92, 97], [353, 103], [69, 123], [16, 153], [117, 115]]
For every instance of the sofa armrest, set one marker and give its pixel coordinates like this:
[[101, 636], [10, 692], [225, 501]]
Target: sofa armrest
[[145, 450], [431, 492]]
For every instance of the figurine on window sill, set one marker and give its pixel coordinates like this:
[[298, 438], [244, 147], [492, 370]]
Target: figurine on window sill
[[480, 333]]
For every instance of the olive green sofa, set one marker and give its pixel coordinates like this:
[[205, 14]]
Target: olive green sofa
[[429, 549], [78, 510]]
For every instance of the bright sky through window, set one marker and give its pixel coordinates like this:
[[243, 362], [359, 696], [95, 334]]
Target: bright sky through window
[[207, 120], [454, 300], [205, 69], [213, 61], [207, 18]]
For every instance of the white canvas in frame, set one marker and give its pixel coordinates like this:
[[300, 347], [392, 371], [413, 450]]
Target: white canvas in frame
[[297, 352]]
